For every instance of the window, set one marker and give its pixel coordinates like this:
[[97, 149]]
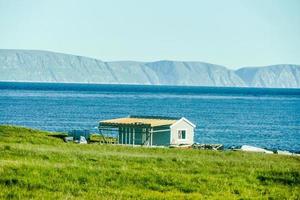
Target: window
[[181, 134]]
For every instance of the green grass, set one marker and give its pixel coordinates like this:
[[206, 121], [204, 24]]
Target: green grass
[[34, 165]]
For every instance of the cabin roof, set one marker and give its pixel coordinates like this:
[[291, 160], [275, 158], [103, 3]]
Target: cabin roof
[[144, 121]]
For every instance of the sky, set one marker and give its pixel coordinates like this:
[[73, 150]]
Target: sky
[[233, 33]]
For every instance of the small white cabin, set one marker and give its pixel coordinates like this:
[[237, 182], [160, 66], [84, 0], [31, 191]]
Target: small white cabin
[[182, 132], [151, 131]]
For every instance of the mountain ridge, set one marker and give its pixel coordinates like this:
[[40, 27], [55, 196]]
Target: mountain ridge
[[46, 66]]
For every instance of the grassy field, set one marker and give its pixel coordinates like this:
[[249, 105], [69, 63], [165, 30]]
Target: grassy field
[[36, 166]]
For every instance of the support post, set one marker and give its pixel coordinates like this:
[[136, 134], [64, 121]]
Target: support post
[[148, 137], [151, 137], [129, 131], [122, 135], [100, 131], [133, 136], [119, 135], [126, 136]]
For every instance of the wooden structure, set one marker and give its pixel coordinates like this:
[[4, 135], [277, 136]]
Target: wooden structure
[[150, 131]]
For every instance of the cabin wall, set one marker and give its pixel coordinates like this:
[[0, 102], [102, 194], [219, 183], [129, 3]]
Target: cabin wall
[[126, 135], [161, 136], [161, 139], [182, 125]]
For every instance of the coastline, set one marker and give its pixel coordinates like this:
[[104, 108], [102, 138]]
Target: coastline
[[53, 168]]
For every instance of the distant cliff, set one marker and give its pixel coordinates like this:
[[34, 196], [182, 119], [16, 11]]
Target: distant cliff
[[44, 66]]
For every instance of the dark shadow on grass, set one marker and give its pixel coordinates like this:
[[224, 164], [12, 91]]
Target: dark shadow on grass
[[288, 178], [60, 136]]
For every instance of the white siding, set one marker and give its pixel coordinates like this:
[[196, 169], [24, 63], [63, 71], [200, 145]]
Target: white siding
[[182, 124]]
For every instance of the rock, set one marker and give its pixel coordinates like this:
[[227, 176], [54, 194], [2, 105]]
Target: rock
[[255, 149]]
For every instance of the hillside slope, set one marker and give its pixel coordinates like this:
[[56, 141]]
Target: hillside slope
[[276, 76], [44, 66]]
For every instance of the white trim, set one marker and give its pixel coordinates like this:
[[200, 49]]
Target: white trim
[[164, 130], [170, 135], [183, 119]]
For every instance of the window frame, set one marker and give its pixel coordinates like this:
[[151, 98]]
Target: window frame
[[185, 131]]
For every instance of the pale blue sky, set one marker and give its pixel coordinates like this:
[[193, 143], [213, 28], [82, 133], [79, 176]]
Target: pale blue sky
[[233, 33]]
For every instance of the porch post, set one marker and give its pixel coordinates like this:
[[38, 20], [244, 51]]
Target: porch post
[[126, 141], [125, 136], [133, 136], [151, 137], [129, 130], [148, 137], [122, 135]]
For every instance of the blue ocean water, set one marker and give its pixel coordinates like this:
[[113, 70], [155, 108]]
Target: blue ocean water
[[267, 118]]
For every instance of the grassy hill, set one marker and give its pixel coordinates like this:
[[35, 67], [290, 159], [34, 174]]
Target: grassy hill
[[35, 165]]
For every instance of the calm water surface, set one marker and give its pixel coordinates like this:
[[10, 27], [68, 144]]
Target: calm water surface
[[231, 116]]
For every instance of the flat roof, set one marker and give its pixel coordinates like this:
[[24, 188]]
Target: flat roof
[[139, 121]]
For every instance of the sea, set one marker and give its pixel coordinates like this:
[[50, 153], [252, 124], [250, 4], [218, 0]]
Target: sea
[[267, 118]]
